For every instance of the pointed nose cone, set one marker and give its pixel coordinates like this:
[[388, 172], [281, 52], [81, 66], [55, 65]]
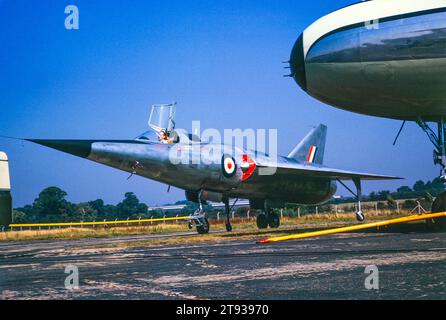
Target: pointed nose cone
[[80, 148]]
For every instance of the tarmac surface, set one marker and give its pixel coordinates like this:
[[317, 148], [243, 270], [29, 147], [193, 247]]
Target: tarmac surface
[[411, 266]]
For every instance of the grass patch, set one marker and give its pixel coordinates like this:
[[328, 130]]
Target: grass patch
[[244, 229]]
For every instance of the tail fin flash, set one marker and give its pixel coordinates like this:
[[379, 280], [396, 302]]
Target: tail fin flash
[[311, 149]]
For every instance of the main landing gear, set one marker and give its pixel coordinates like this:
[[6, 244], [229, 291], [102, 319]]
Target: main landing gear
[[268, 218], [358, 195], [438, 140]]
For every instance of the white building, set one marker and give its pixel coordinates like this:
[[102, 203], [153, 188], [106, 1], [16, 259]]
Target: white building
[[5, 192]]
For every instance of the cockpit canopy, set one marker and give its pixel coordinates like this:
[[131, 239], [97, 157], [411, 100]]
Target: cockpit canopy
[[162, 117], [162, 123]]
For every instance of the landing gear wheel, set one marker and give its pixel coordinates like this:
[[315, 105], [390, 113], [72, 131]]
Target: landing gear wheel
[[262, 221], [439, 205], [273, 220], [228, 227], [360, 216], [204, 228]]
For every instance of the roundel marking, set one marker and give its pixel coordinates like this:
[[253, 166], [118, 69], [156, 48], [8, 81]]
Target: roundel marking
[[229, 166], [248, 167]]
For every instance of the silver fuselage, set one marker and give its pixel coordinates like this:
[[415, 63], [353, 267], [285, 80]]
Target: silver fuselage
[[193, 167]]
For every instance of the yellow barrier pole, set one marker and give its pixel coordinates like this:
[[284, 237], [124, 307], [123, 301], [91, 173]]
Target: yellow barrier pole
[[72, 224], [354, 228]]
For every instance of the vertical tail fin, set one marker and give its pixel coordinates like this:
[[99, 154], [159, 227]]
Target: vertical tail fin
[[311, 149]]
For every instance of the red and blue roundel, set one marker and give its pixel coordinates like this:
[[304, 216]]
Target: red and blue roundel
[[248, 167], [229, 167]]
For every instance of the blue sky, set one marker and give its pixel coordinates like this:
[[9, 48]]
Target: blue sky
[[221, 60]]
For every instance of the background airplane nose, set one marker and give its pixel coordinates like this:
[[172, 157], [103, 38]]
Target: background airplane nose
[[297, 63], [80, 148]]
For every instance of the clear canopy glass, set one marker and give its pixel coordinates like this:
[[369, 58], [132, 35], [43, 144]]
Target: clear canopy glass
[[162, 117]]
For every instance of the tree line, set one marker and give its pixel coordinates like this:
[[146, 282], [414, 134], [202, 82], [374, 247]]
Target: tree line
[[51, 205], [420, 190]]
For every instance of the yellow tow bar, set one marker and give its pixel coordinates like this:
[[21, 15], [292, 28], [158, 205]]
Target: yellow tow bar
[[354, 228]]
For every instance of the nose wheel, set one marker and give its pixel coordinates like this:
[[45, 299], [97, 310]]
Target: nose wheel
[[200, 222], [199, 219], [204, 227]]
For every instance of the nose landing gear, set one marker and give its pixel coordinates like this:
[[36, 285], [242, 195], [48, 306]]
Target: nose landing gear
[[199, 219], [203, 227]]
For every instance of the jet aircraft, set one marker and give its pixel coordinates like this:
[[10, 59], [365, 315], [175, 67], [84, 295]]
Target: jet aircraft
[[223, 172]]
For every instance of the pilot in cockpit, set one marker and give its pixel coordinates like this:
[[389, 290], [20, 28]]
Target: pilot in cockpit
[[164, 137], [167, 138]]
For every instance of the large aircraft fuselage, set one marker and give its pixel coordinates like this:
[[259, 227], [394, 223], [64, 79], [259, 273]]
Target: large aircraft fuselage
[[379, 58]]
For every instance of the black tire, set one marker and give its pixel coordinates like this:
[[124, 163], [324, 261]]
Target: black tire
[[439, 205], [262, 221], [204, 228], [228, 227], [273, 220]]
